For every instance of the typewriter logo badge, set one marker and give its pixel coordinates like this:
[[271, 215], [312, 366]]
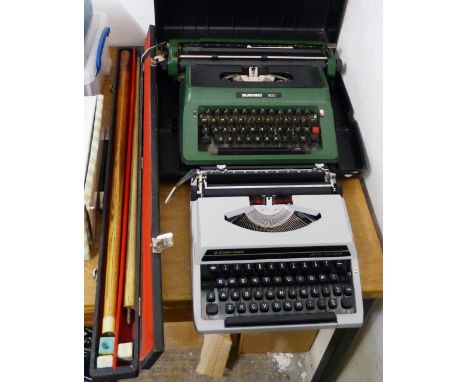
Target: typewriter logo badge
[[258, 95]]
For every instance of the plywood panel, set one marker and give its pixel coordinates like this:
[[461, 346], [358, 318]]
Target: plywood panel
[[176, 266], [181, 335], [277, 342]]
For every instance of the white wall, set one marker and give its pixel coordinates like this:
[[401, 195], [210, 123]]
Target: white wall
[[360, 47], [128, 20]]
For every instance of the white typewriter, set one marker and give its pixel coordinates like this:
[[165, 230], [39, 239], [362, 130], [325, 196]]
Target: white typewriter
[[272, 249]]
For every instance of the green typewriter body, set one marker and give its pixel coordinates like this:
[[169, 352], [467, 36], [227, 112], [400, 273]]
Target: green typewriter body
[[254, 102]]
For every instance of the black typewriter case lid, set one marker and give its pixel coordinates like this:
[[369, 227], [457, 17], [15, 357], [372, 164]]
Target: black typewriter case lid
[[294, 20]]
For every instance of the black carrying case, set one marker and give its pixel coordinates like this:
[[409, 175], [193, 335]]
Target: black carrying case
[[143, 358], [295, 20]]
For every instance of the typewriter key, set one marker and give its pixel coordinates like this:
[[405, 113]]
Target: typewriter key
[[229, 308], [347, 302], [241, 307], [300, 279], [253, 307], [332, 304], [281, 293], [321, 303], [223, 295], [276, 306], [235, 295], [258, 294], [337, 290], [246, 294], [211, 309], [266, 280], [210, 296], [270, 294], [292, 293], [298, 305]]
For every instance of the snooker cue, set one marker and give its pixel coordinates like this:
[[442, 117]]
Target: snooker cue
[[118, 173], [123, 242], [129, 292]]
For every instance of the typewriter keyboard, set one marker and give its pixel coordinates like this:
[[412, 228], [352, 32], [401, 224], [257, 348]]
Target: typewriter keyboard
[[259, 131], [277, 293]]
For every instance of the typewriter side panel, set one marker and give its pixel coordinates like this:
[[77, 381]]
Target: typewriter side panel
[[357, 318]]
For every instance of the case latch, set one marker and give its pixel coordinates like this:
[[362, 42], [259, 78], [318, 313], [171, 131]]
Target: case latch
[[162, 242]]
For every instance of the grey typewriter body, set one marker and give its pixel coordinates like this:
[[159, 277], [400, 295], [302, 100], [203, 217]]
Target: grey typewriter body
[[272, 250]]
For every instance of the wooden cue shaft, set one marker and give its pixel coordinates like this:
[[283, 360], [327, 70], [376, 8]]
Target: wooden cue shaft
[[129, 291], [116, 202]]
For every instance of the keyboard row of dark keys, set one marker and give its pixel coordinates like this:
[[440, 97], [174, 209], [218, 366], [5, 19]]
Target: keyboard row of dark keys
[[256, 130], [255, 111], [279, 280], [247, 294], [320, 304], [307, 269], [265, 121], [259, 138]]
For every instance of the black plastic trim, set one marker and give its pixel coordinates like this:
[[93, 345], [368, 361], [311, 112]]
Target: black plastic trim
[[158, 349], [278, 191], [305, 76], [281, 319], [275, 253], [229, 177]]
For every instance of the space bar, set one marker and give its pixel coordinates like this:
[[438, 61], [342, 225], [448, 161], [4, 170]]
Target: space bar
[[281, 319], [260, 150]]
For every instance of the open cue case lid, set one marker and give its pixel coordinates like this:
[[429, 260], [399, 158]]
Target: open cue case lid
[[294, 20], [250, 19], [146, 329]]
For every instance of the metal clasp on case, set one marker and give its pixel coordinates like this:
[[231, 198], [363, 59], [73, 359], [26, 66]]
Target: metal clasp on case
[[162, 242]]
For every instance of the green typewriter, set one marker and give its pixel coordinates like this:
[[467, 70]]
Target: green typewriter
[[254, 102]]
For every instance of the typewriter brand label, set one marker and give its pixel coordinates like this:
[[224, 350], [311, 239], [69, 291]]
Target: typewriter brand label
[[258, 95]]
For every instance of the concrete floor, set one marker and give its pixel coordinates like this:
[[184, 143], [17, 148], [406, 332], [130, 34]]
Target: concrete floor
[[180, 366]]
